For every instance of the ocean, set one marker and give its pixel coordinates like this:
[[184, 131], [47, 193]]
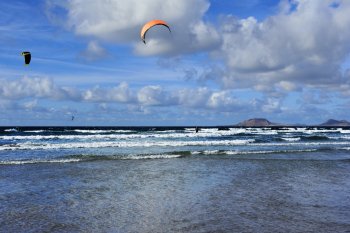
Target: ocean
[[172, 179]]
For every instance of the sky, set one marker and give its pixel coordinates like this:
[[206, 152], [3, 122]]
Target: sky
[[224, 61]]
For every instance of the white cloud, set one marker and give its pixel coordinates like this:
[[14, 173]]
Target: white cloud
[[94, 95], [297, 47], [220, 99], [153, 96], [196, 98], [204, 98], [122, 93], [210, 100], [150, 100], [271, 105], [303, 45], [44, 88], [29, 87], [35, 88], [120, 21], [119, 94]]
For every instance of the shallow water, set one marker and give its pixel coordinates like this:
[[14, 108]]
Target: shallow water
[[274, 186]]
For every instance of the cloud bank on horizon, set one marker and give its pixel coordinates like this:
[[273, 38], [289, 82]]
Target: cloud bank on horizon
[[287, 61]]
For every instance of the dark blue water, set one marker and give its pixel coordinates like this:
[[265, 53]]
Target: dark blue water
[[150, 180]]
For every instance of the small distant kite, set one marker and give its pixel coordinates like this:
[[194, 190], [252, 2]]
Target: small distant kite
[[73, 118], [27, 56], [151, 24]]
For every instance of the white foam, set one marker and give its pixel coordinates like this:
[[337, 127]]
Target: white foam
[[124, 144], [343, 137], [315, 131], [156, 156], [72, 160], [168, 143], [307, 131], [102, 131], [20, 162], [35, 131], [294, 130], [292, 139], [10, 130], [247, 152], [195, 152], [128, 134], [267, 152], [263, 131], [124, 136], [300, 144], [238, 152], [208, 152], [79, 137]]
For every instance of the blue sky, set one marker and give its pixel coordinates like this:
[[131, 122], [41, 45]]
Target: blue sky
[[225, 61]]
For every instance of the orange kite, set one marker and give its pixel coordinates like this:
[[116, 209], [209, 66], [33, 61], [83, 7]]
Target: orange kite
[[150, 24]]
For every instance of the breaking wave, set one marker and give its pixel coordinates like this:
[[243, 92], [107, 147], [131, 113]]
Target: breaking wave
[[35, 145], [170, 155], [85, 158], [124, 144]]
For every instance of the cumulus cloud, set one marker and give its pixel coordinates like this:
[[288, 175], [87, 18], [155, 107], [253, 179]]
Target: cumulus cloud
[[222, 99], [148, 97], [199, 98], [194, 98], [305, 44], [154, 96], [35, 88], [120, 21], [32, 89], [120, 94]]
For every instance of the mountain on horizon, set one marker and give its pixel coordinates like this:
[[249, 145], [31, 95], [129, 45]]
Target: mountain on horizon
[[262, 122], [332, 122], [256, 122]]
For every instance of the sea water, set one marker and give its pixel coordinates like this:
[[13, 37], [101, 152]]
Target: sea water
[[174, 180]]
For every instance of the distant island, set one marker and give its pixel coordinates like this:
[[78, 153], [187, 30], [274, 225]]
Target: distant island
[[262, 122], [257, 122], [332, 122]]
